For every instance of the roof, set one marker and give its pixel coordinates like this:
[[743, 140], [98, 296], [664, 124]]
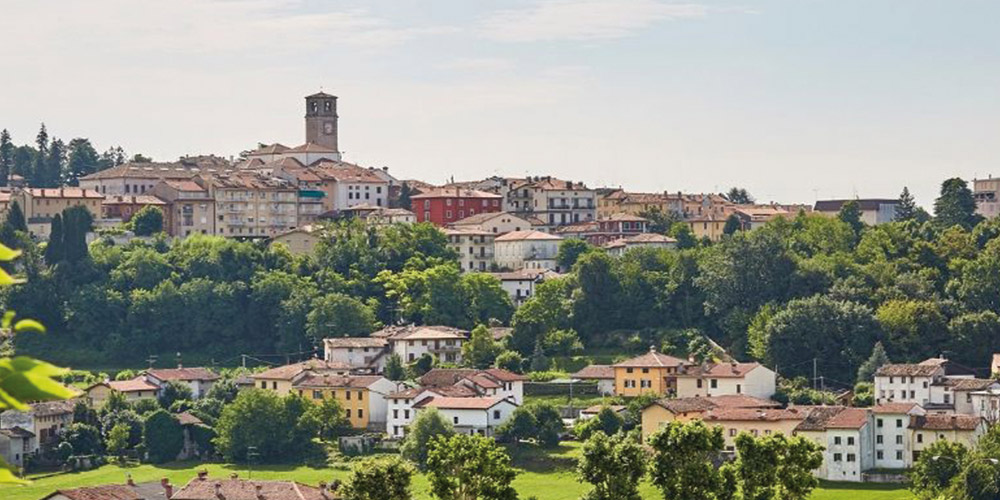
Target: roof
[[242, 489], [64, 192], [945, 422], [553, 184], [194, 373], [455, 192], [720, 370], [288, 372], [135, 199], [623, 217], [184, 185], [346, 172], [17, 432], [817, 417], [526, 274], [50, 408], [186, 418], [450, 231], [321, 95], [134, 385], [907, 370], [505, 375], [700, 404], [894, 408], [526, 235], [103, 492], [414, 332], [865, 204], [354, 342], [153, 170], [849, 418], [270, 150], [311, 147], [483, 381], [967, 384], [595, 372], [597, 409], [477, 403], [754, 414], [651, 359], [439, 377], [328, 380], [474, 220]]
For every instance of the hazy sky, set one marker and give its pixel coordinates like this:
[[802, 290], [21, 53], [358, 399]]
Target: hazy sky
[[790, 99]]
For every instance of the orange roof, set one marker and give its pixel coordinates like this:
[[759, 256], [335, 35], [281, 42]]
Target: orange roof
[[480, 403], [505, 375], [720, 370], [243, 489], [326, 380], [346, 172], [651, 359], [103, 492], [850, 418], [288, 372], [64, 192], [184, 185], [195, 373], [894, 408], [311, 147], [134, 385], [596, 372], [135, 199], [946, 422], [526, 235], [753, 414]]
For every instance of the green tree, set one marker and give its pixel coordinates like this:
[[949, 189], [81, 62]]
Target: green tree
[[255, 419], [84, 438], [394, 369], [405, 192], [570, 250], [339, 315], [684, 235], [54, 249], [428, 425], [174, 391], [482, 349], [15, 217], [510, 361], [117, 442], [936, 467], [850, 214], [6, 157], [607, 421], [733, 224], [955, 206], [519, 427], [682, 465], [660, 221], [613, 465], [54, 163], [539, 361], [486, 300], [757, 466], [739, 196], [866, 372], [914, 329], [329, 418], [379, 479], [596, 305], [549, 309], [77, 222], [83, 160], [422, 365], [798, 459], [464, 467], [907, 207], [162, 436], [147, 221], [37, 175]]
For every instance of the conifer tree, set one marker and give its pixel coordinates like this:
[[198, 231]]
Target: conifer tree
[[54, 164], [54, 250], [37, 174], [6, 157], [907, 207]]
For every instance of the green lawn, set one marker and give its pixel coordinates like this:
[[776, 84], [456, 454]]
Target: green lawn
[[547, 476]]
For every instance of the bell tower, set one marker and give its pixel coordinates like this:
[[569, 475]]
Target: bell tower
[[321, 120]]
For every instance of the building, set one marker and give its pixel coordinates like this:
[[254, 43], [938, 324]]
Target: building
[[653, 372], [359, 353], [527, 250], [987, 194], [280, 379], [411, 342], [929, 384], [321, 120], [347, 185], [929, 428], [892, 434], [478, 415], [756, 216], [620, 247], [658, 413], [708, 226], [443, 206], [848, 452], [489, 382], [199, 380], [121, 208], [45, 421], [718, 379], [474, 248], [16, 444], [593, 411], [41, 205], [133, 390], [311, 189], [621, 202], [603, 375], [249, 205], [233, 488], [363, 397], [136, 178], [401, 411], [556, 202], [300, 241], [520, 285], [753, 421], [190, 208], [874, 211], [493, 222]]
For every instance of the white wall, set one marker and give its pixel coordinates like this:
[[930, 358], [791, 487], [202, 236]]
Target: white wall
[[410, 350], [894, 433], [355, 357], [844, 470], [479, 421], [903, 389]]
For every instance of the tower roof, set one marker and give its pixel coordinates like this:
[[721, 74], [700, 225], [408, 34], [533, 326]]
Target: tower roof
[[320, 94]]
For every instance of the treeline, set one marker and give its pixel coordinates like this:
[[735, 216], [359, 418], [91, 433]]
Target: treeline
[[50, 162]]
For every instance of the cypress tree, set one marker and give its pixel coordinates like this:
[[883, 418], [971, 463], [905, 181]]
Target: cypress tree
[[6, 157], [37, 175], [55, 250], [54, 164], [15, 217]]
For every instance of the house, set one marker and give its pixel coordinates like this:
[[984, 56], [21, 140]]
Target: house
[[190, 208], [401, 411], [489, 382], [133, 390], [619, 201], [474, 248], [754, 421], [617, 226], [311, 192], [520, 285], [556, 202], [347, 185], [476, 415], [411, 342], [923, 383], [138, 178], [391, 216], [281, 378], [892, 434], [711, 227], [234, 488], [716, 379], [128, 491], [492, 222], [591, 412], [199, 379], [41, 205], [652, 372], [995, 365], [45, 421], [252, 205], [190, 448], [848, 450], [16, 444], [956, 393], [363, 397], [986, 404], [367, 353], [658, 413], [299, 241], [756, 216], [929, 428], [527, 250], [122, 208], [443, 206], [604, 375], [874, 211], [621, 246]]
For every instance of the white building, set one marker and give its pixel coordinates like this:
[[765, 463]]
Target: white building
[[849, 453], [474, 247], [892, 434], [493, 222], [200, 380], [929, 384], [401, 411], [16, 444], [874, 211], [556, 202], [411, 342], [723, 379], [619, 247], [604, 375], [348, 185], [520, 285], [365, 353], [527, 250], [986, 405], [927, 429], [489, 382], [479, 415]]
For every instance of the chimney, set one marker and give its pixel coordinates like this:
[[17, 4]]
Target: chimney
[[652, 349], [202, 475], [168, 489], [218, 491], [234, 476], [128, 479]]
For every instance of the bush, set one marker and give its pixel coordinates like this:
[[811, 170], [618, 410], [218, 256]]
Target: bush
[[428, 425], [162, 436], [510, 361]]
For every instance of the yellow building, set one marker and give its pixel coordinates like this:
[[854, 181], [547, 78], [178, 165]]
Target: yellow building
[[300, 241], [710, 227], [281, 378], [754, 421], [41, 205], [660, 412], [621, 202], [652, 372], [927, 429], [134, 390], [361, 396]]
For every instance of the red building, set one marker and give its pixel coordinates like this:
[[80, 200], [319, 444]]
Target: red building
[[125, 206], [442, 206]]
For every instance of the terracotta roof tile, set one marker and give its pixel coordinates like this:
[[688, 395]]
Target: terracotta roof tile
[[193, 373], [104, 492], [720, 370], [945, 422], [134, 385], [354, 342], [242, 489], [753, 414], [850, 418], [526, 235], [326, 380], [288, 372], [596, 372], [894, 408], [651, 359], [478, 403], [454, 193], [907, 370]]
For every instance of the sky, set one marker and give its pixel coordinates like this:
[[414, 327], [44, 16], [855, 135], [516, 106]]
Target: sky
[[793, 100]]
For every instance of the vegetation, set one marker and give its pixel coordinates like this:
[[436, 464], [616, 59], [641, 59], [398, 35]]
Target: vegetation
[[463, 467]]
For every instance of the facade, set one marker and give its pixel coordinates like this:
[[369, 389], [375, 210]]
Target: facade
[[717, 379], [925, 430], [40, 205], [556, 202], [474, 247], [311, 192], [653, 373], [929, 384], [134, 390], [987, 194], [359, 353], [199, 380], [874, 211], [300, 241], [122, 208], [603, 375], [708, 226], [620, 247], [619, 201], [754, 421], [520, 285], [443, 206], [233, 488], [756, 216], [496, 223], [848, 452], [280, 379], [527, 250], [347, 185], [16, 444], [321, 120], [480, 415], [137, 178], [44, 421], [412, 342], [892, 434], [249, 205], [658, 413], [190, 208], [363, 397]]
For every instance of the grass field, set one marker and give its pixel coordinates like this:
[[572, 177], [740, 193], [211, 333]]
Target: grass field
[[547, 476]]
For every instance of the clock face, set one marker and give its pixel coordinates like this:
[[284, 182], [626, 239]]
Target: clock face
[[328, 128]]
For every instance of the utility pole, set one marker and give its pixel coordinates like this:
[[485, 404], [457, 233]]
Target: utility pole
[[244, 356], [151, 360], [814, 373]]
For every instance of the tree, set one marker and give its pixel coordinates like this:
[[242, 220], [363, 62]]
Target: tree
[[519, 427], [607, 421], [428, 425], [549, 423], [54, 249], [906, 209], [83, 160], [15, 218], [937, 465], [866, 372], [379, 479], [850, 213], [539, 362], [174, 391], [733, 224], [255, 419], [798, 459], [914, 329], [405, 192], [394, 369], [739, 196], [6, 157], [464, 467], [329, 418], [486, 300], [682, 465], [569, 251], [37, 173], [422, 365], [481, 350], [955, 206], [162, 436], [339, 315], [77, 222], [147, 221], [684, 235], [660, 221], [613, 465], [84, 438], [510, 361]]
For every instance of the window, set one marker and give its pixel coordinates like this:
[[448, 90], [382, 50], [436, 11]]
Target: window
[[850, 441], [899, 454], [891, 380], [395, 413], [496, 414], [715, 383], [878, 454], [878, 423], [628, 370], [920, 437], [645, 370], [317, 394], [732, 432], [851, 457], [348, 411], [347, 394], [899, 439], [699, 383], [454, 420], [406, 414], [361, 413], [263, 385], [878, 439], [739, 389], [274, 385], [836, 440]]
